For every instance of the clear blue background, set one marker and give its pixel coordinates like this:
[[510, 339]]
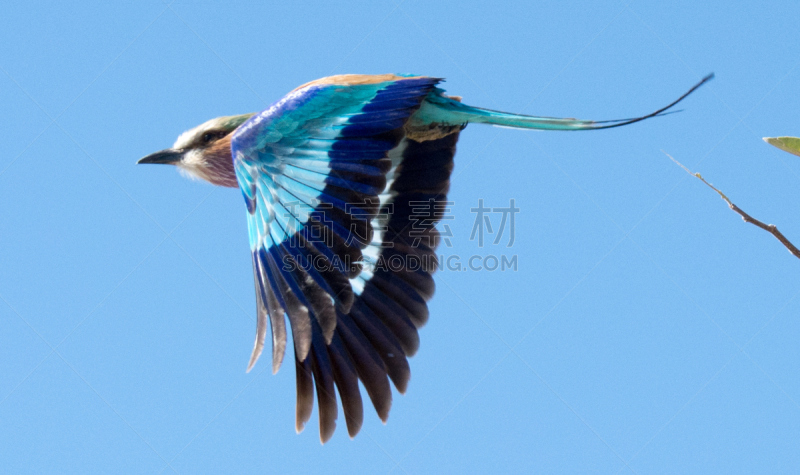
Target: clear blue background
[[647, 329]]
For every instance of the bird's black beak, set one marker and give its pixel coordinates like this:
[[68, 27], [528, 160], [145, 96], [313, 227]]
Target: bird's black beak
[[169, 156]]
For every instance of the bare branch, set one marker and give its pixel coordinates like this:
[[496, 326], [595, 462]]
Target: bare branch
[[770, 228]]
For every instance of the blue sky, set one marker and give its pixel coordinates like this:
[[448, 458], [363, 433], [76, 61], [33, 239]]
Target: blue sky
[[647, 329]]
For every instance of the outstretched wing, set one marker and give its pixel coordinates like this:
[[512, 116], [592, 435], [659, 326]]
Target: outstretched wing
[[380, 331], [311, 169]]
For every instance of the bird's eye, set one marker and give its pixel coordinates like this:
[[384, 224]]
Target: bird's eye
[[211, 136]]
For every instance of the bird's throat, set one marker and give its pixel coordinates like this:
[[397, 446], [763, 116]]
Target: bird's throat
[[213, 164]]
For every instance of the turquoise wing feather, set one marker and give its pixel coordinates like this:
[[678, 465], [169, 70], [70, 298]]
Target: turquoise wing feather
[[310, 169]]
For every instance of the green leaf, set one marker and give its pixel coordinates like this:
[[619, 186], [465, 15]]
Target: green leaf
[[788, 144]]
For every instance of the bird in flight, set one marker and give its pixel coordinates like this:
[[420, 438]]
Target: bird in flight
[[335, 177]]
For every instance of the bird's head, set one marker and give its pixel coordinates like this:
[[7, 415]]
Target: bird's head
[[204, 152]]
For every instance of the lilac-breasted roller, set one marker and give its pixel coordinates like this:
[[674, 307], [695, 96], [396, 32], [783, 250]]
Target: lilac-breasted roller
[[331, 175]]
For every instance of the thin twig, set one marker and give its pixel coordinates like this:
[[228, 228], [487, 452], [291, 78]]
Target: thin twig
[[770, 228]]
